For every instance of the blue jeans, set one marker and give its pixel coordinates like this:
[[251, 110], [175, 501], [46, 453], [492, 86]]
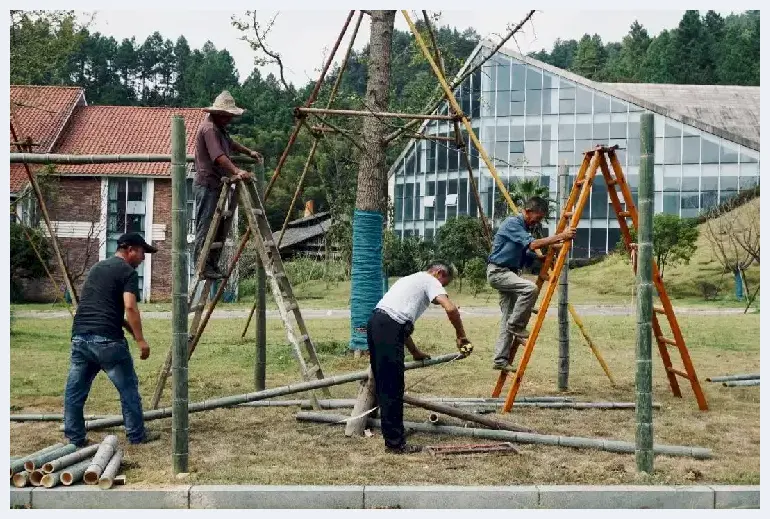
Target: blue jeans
[[91, 354]]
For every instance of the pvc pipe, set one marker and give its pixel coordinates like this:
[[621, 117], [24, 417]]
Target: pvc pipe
[[520, 437]]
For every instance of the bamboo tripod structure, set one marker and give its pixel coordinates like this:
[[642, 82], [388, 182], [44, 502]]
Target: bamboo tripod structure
[[594, 161]]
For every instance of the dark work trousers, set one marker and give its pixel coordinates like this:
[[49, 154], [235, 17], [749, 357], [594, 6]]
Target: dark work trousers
[[206, 199], [385, 338]]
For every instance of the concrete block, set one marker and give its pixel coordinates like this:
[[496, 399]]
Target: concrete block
[[276, 496], [21, 497], [91, 496], [451, 497], [625, 496], [736, 496]]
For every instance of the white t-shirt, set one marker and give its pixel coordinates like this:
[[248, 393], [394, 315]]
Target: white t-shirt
[[408, 298]]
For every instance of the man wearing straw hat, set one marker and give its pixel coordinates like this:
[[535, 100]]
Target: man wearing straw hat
[[213, 147]]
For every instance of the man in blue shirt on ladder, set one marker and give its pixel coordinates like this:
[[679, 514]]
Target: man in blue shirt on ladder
[[513, 249]]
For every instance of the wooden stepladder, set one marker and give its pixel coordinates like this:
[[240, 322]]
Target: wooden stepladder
[[625, 210], [244, 194]]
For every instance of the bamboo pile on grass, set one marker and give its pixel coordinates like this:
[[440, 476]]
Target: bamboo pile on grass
[[67, 465]]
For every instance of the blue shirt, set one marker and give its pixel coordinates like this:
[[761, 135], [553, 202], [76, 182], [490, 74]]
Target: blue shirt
[[510, 247]]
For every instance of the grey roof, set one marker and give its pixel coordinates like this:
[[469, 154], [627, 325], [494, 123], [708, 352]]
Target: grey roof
[[732, 108], [706, 107], [295, 235]]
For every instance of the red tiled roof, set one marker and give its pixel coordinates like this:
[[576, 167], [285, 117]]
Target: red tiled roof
[[113, 130], [39, 112]]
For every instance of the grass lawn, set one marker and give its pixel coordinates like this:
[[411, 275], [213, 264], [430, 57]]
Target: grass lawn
[[268, 446]]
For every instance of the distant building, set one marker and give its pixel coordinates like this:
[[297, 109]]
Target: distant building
[[532, 117], [306, 236]]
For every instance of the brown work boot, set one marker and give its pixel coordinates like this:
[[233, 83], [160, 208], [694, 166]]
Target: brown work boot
[[510, 368], [406, 448]]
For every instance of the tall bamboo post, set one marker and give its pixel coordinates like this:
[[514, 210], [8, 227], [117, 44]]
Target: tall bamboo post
[[261, 305], [179, 336], [644, 448], [563, 367]]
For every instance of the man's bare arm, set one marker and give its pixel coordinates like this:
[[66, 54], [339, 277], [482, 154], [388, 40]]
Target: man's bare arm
[[414, 350], [134, 321], [234, 171], [452, 313]]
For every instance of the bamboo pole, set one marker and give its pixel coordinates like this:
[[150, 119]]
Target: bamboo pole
[[180, 432], [36, 477], [20, 479], [644, 432], [310, 100], [54, 240], [464, 415], [111, 470], [50, 417], [578, 442], [297, 387], [69, 459], [370, 113], [17, 465], [298, 190], [343, 403], [75, 159], [727, 378], [594, 348], [42, 459], [563, 363], [365, 401], [74, 473], [423, 136], [260, 306], [103, 456], [738, 383]]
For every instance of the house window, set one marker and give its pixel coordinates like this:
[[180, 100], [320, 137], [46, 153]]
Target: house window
[[126, 213]]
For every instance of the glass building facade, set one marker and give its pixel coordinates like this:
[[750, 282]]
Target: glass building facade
[[531, 120]]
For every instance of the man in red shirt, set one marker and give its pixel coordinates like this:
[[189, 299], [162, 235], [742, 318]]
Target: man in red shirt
[[213, 147]]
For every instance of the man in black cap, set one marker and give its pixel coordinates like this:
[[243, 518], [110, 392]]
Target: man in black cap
[[98, 343]]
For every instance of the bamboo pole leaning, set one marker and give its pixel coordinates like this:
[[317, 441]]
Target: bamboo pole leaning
[[464, 415], [577, 442], [298, 387]]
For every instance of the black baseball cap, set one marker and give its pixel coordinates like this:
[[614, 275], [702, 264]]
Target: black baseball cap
[[134, 239]]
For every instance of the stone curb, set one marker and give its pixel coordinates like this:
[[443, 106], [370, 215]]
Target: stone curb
[[409, 497]]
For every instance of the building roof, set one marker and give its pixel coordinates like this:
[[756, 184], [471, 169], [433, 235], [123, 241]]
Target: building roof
[[124, 130], [732, 108], [731, 112], [297, 233], [40, 113]]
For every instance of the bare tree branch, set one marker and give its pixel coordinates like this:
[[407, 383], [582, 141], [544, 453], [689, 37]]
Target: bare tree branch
[[258, 42]]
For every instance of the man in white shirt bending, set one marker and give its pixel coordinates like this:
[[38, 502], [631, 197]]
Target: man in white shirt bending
[[390, 328]]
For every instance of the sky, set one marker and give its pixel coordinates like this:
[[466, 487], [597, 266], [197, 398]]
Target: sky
[[304, 37]]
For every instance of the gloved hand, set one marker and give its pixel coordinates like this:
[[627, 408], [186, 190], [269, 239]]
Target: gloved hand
[[465, 346]]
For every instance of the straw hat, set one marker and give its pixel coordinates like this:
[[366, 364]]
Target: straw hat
[[224, 103]]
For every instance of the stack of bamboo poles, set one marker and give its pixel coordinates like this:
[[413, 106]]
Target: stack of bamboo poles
[[66, 465], [751, 379]]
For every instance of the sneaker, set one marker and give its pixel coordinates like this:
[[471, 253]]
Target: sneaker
[[150, 436], [407, 448], [510, 368]]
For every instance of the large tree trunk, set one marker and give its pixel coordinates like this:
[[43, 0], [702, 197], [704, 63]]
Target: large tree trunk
[[372, 191]]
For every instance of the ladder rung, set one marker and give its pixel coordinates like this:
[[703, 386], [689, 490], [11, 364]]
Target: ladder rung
[[197, 308], [624, 214], [536, 310], [568, 214], [580, 182], [612, 182], [544, 277], [312, 370], [257, 212], [304, 338], [290, 307], [672, 342], [269, 244], [227, 214], [659, 309], [279, 274], [216, 245], [679, 372]]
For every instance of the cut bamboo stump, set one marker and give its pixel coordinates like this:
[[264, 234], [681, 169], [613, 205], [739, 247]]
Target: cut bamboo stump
[[364, 402], [35, 477], [18, 464], [102, 457], [522, 437], [70, 459], [74, 473], [20, 479], [42, 459], [111, 470], [464, 415]]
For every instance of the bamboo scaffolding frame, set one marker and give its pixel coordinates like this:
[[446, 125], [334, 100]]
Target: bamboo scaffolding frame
[[300, 111]]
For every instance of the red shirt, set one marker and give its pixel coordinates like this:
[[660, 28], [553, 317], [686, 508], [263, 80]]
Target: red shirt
[[211, 142]]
